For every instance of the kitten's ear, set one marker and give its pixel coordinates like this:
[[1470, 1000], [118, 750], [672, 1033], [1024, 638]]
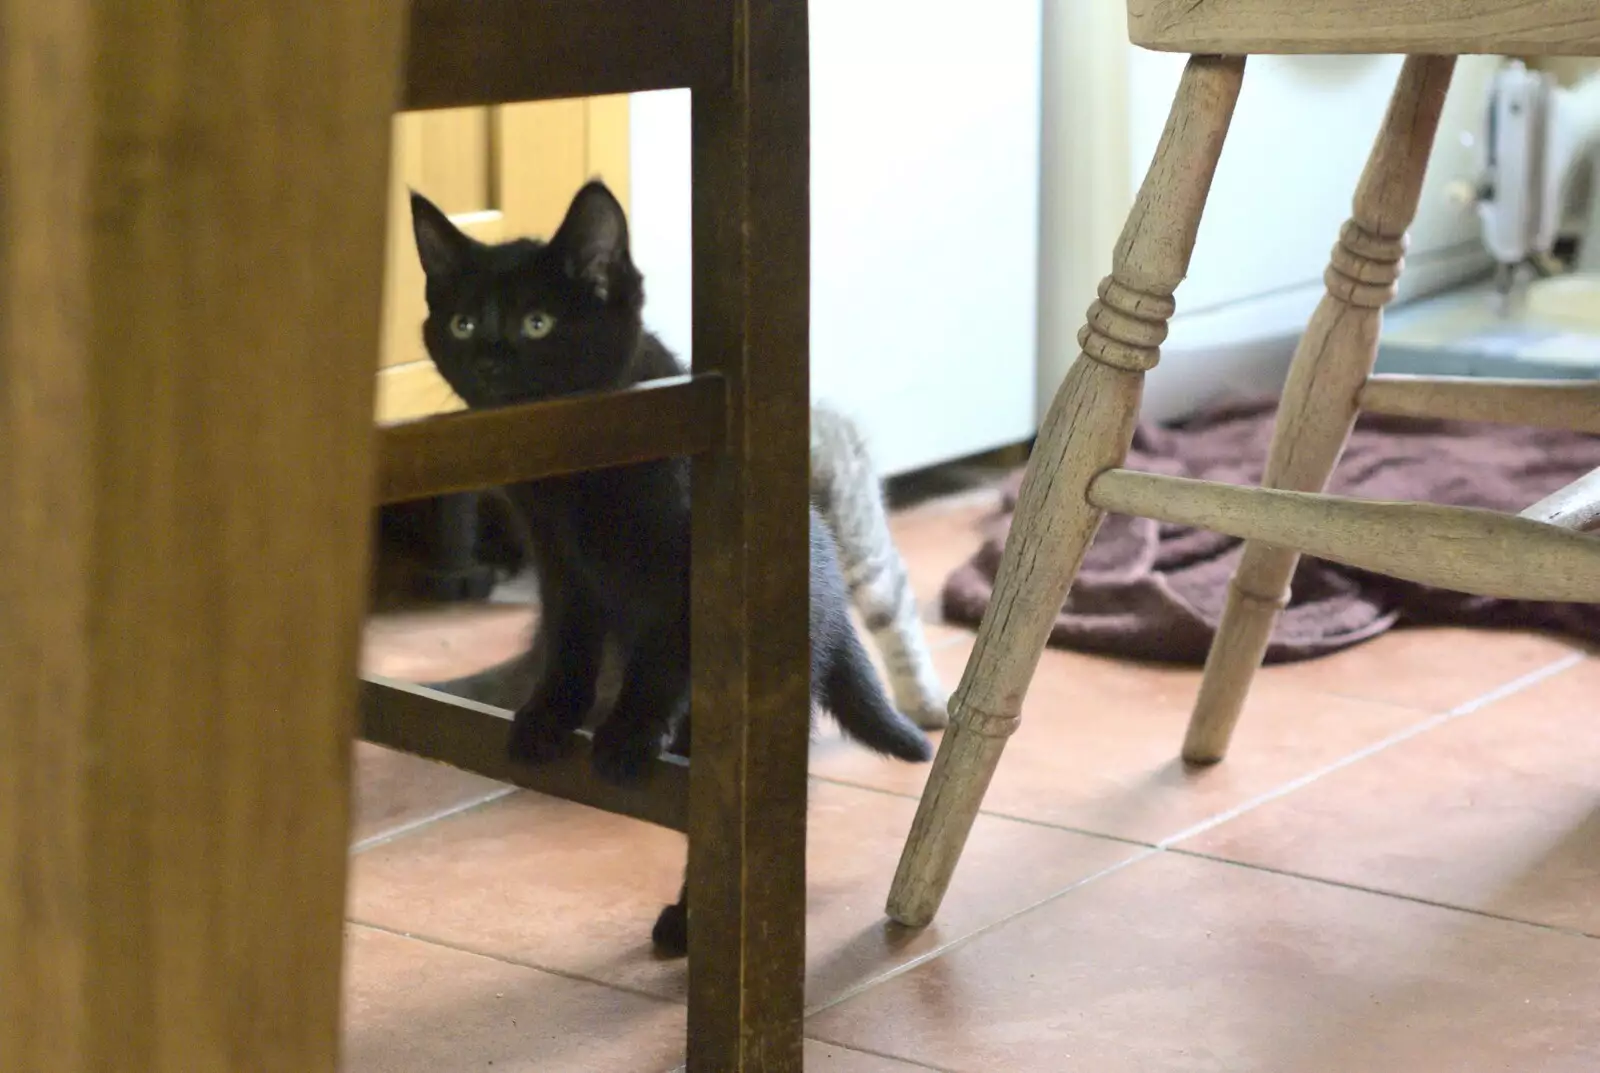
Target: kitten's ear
[[593, 240], [440, 244]]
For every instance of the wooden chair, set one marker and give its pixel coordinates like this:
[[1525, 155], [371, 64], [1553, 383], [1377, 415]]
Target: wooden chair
[[1076, 473], [191, 249]]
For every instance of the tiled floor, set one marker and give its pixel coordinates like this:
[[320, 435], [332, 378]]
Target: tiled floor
[[1396, 869]]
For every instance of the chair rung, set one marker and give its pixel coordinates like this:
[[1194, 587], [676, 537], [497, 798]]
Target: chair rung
[[475, 52], [1573, 405], [1413, 27], [458, 452], [472, 736], [1462, 549], [1575, 506]]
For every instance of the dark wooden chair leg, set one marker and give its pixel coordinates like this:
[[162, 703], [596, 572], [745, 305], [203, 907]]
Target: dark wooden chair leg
[[454, 571], [750, 641]]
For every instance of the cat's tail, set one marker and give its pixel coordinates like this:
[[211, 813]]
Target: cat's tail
[[855, 698]]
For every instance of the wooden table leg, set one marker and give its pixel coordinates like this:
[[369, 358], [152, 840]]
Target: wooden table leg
[[1318, 409], [750, 642], [1087, 430], [191, 258]]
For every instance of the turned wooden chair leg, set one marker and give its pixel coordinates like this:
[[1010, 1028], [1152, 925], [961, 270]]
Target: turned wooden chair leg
[[1319, 405], [1086, 431]]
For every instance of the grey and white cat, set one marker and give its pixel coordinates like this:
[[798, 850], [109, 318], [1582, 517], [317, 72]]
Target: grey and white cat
[[848, 493]]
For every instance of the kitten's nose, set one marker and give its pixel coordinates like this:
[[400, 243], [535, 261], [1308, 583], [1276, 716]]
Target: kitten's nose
[[486, 366]]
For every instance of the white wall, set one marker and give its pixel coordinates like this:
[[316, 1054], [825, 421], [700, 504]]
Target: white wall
[[658, 211], [924, 221]]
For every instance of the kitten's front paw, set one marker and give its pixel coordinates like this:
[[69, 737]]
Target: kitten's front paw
[[536, 739], [624, 761], [671, 933]]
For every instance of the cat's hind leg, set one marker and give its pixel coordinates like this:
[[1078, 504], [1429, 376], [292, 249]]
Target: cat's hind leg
[[881, 592]]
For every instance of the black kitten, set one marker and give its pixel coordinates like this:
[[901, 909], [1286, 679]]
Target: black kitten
[[527, 320]]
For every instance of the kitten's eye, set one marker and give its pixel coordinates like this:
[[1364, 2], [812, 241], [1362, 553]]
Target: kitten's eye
[[537, 325], [462, 326]]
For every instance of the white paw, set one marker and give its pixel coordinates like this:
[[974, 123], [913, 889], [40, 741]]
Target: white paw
[[930, 716]]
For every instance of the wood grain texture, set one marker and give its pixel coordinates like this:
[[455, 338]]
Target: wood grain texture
[[607, 131], [1463, 549], [193, 223], [1441, 27], [1331, 363], [1558, 404], [1574, 506], [472, 737], [466, 52], [1087, 429], [750, 643], [543, 158], [680, 415]]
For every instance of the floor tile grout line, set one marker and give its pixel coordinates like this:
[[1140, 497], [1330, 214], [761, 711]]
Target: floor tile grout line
[[909, 1063], [459, 948], [1121, 840], [1417, 899], [1166, 845], [1148, 850], [960, 941], [1299, 782], [1511, 688], [888, 1055], [412, 826]]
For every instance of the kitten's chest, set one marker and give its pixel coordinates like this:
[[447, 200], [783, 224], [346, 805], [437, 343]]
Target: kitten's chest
[[614, 526]]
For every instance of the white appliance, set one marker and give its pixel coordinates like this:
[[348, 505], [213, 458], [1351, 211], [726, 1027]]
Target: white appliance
[[1299, 139], [924, 221]]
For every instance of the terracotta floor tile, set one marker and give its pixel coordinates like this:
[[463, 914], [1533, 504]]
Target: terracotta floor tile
[[412, 1007], [435, 643], [546, 883], [394, 791], [1179, 964], [937, 536], [1497, 810], [1098, 747], [831, 1058], [1431, 669]]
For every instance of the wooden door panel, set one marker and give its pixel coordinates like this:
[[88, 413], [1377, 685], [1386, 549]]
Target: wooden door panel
[[444, 155], [497, 172], [547, 149]]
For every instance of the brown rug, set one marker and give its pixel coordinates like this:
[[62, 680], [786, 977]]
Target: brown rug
[[1154, 591]]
